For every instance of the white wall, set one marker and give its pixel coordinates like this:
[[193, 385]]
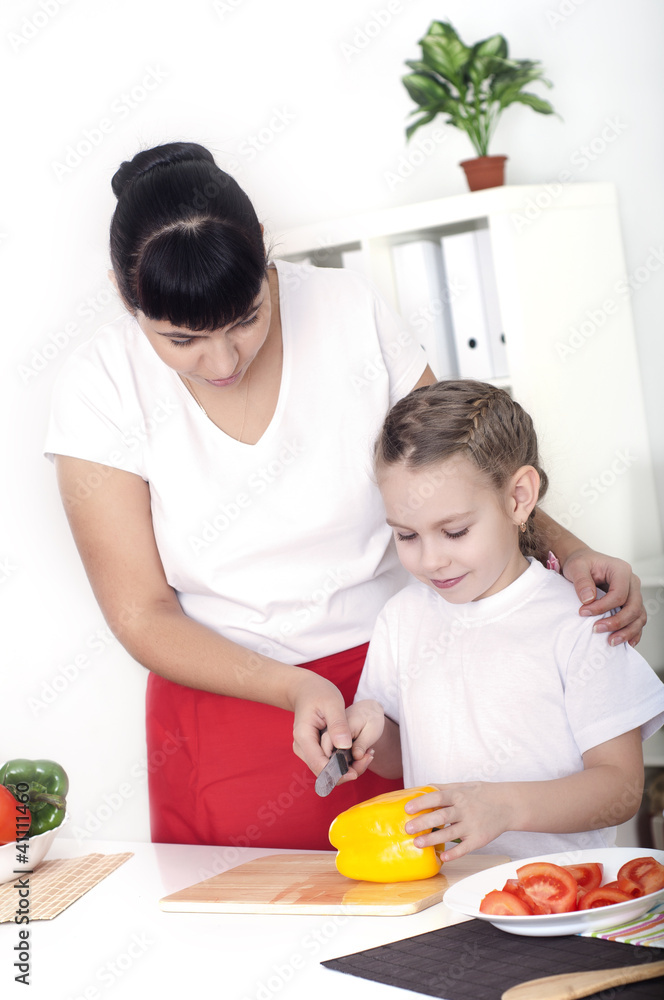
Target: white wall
[[320, 84]]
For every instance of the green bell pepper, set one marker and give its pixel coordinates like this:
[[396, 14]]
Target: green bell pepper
[[47, 787]]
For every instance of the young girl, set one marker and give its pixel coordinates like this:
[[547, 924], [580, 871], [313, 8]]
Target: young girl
[[480, 678]]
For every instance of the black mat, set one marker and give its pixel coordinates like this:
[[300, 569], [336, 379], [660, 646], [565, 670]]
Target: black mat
[[476, 961]]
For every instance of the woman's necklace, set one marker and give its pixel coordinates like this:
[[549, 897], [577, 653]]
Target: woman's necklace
[[244, 410]]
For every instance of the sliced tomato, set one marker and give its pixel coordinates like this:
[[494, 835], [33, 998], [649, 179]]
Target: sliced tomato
[[604, 896], [631, 888], [514, 886], [587, 876], [550, 885], [504, 904], [646, 873]]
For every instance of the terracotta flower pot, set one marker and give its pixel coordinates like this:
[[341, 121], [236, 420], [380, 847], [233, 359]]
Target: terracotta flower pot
[[484, 172]]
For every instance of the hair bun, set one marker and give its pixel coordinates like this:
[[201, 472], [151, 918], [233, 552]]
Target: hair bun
[[159, 156]]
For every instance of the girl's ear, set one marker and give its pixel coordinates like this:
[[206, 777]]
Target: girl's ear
[[523, 493]]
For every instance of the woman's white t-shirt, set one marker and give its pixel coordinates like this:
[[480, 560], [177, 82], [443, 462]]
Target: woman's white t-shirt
[[280, 546]]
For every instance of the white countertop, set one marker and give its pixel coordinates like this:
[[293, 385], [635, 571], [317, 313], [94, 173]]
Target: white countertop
[[114, 943]]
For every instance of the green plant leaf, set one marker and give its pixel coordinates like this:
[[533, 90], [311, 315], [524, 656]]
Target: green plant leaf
[[509, 73], [498, 67], [418, 66], [421, 67], [425, 90], [424, 120], [481, 72], [526, 64], [443, 28], [494, 46], [508, 92], [534, 102], [447, 55]]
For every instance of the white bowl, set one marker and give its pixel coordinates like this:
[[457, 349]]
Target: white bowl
[[466, 896], [37, 849]]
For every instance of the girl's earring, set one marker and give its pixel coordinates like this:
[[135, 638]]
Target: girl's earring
[[522, 527]]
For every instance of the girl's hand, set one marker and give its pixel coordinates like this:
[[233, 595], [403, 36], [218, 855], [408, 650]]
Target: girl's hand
[[475, 812], [585, 568], [367, 721]]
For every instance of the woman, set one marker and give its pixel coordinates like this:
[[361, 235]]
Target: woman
[[213, 454]]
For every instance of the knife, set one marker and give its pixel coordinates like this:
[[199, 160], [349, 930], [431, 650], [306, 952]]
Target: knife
[[335, 769]]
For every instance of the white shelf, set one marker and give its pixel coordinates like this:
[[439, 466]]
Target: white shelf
[[565, 310], [528, 200]]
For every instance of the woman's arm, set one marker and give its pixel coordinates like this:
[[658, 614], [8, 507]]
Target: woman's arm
[[607, 792], [584, 568], [114, 535], [426, 378]]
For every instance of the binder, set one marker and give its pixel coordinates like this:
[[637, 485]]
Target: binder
[[422, 298], [491, 306], [473, 303]]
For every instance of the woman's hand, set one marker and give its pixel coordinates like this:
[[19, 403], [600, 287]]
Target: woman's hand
[[584, 568], [474, 812], [317, 705]]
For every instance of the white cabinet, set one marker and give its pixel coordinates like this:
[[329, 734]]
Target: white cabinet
[[564, 302]]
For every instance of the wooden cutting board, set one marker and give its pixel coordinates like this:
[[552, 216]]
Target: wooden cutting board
[[310, 883]]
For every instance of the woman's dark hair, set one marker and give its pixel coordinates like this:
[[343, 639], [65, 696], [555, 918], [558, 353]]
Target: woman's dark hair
[[186, 244], [465, 417]]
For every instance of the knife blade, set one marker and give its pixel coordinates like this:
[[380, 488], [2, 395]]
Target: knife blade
[[335, 769]]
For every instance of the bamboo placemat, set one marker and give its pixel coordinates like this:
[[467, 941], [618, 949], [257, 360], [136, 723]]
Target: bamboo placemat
[[476, 961], [55, 885]]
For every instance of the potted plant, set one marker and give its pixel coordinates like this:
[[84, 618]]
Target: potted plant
[[472, 85]]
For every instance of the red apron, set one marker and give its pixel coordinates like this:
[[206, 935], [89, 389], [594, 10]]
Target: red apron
[[222, 771]]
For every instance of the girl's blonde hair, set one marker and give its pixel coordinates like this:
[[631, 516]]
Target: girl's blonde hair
[[465, 417]]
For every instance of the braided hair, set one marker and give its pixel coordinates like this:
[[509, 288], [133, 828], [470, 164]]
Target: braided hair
[[465, 417]]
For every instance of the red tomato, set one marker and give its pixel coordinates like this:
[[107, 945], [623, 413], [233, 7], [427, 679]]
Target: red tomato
[[588, 876], [542, 887], [646, 873], [14, 817], [604, 896], [631, 888], [514, 886], [550, 885], [504, 904]]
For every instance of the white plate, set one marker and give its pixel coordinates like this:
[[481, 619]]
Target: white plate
[[37, 849], [466, 896]]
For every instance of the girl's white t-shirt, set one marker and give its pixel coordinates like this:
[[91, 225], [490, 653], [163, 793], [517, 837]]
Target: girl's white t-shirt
[[280, 546], [514, 687]]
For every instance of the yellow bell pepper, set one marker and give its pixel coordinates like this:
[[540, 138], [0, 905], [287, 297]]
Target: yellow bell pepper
[[372, 843]]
